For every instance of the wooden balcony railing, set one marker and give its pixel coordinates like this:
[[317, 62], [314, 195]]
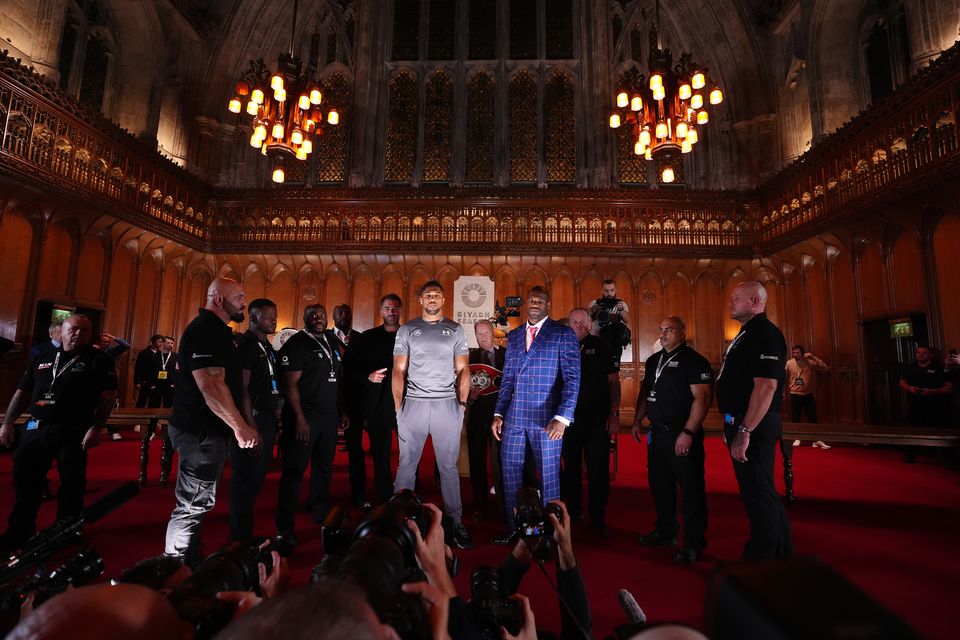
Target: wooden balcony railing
[[564, 221], [54, 140]]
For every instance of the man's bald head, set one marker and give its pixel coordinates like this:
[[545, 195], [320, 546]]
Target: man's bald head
[[747, 300], [104, 612], [225, 297], [76, 332]]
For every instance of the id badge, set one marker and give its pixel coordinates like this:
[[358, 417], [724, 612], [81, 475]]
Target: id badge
[[798, 381], [332, 378], [728, 418], [33, 424], [161, 375], [48, 400], [273, 388], [652, 397]]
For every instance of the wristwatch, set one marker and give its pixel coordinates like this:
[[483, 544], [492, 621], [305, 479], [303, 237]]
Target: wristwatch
[[743, 429], [687, 431]]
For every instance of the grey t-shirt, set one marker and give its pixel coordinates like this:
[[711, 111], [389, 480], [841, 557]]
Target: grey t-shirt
[[431, 347]]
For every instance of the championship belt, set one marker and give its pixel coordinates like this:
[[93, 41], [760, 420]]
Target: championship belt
[[485, 379]]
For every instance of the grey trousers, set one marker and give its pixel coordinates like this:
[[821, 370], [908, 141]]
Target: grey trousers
[[198, 471], [442, 420]]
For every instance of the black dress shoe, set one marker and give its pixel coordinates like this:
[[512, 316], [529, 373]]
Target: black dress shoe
[[287, 539], [686, 555], [506, 539], [656, 538]]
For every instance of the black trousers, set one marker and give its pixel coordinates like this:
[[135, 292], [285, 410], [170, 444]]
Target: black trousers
[[478, 444], [318, 452], [770, 535], [248, 469], [586, 439], [35, 451], [805, 402], [380, 426], [665, 472]]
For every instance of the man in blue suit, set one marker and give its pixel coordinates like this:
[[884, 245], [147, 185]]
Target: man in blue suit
[[541, 380]]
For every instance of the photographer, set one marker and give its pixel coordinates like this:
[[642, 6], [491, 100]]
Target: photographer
[[608, 308]]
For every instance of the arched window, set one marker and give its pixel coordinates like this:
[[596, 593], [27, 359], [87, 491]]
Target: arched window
[[559, 128], [631, 168], [401, 128], [330, 149], [480, 123], [95, 65], [523, 128], [436, 131]]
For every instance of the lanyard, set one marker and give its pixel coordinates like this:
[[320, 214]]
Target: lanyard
[[730, 346], [57, 371], [323, 346], [164, 361], [661, 365], [269, 359]]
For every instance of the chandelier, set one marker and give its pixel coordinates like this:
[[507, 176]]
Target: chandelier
[[285, 106], [665, 111]]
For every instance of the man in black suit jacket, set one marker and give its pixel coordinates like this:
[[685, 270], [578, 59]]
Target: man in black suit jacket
[[348, 342]]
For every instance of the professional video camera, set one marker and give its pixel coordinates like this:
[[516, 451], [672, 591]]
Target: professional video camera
[[79, 570], [489, 607], [612, 329], [379, 556], [510, 309], [233, 568], [532, 521]]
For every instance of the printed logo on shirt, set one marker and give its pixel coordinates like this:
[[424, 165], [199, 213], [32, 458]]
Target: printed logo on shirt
[[202, 355], [706, 376], [673, 365], [446, 332], [416, 333], [766, 357], [45, 365], [285, 359]]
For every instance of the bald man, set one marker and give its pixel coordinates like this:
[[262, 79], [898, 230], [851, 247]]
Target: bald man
[[749, 389], [205, 415]]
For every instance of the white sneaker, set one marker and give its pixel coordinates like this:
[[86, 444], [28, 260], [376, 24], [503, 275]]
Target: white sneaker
[[796, 443], [821, 445]]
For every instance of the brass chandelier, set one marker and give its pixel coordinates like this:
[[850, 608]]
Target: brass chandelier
[[283, 129], [665, 111]]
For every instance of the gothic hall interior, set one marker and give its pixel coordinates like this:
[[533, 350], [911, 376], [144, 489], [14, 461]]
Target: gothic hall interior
[[336, 151]]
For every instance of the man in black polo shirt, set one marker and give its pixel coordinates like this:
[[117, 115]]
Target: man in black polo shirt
[[749, 388], [146, 370], [70, 391], [351, 388], [205, 413], [260, 403], [374, 369], [675, 397], [595, 420], [311, 367]]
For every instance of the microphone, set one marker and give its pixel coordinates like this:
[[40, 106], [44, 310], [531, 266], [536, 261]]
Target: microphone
[[631, 609], [110, 502]]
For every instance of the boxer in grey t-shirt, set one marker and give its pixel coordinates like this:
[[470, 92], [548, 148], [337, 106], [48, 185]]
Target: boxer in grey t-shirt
[[431, 382]]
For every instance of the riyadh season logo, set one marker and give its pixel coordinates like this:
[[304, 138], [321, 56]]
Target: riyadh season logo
[[474, 295]]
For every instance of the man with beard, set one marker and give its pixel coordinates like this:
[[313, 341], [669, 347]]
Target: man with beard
[[430, 384], [311, 370], [374, 370], [146, 370], [70, 392], [205, 414], [260, 404]]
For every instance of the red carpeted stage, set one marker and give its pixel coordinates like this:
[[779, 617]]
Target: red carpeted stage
[[891, 528]]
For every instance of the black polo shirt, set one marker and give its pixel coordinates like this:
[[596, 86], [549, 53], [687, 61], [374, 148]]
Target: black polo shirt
[[668, 395], [146, 368], [82, 375], [758, 351], [375, 352], [319, 375], [260, 360], [207, 342], [596, 363]]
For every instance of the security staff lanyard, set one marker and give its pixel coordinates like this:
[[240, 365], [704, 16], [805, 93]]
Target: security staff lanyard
[[49, 398], [164, 361], [273, 378], [730, 346], [323, 346], [661, 365]]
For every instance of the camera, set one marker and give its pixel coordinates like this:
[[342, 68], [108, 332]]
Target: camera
[[604, 311], [533, 522], [489, 608], [612, 329], [379, 556], [233, 568], [79, 570], [510, 309]]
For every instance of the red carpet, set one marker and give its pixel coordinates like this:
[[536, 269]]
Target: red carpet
[[890, 527]]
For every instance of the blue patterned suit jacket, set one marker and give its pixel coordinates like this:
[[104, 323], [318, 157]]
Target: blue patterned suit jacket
[[543, 382]]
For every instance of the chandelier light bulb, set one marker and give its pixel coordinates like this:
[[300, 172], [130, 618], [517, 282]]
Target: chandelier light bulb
[[261, 132], [622, 99], [636, 103], [278, 175], [304, 102], [648, 155], [615, 121], [252, 108], [661, 130], [257, 96], [308, 125], [307, 146], [684, 92], [716, 96], [234, 105], [639, 149], [645, 137], [696, 101], [276, 82], [315, 97], [280, 95], [656, 80], [296, 137], [703, 117], [333, 117], [692, 136], [255, 140], [681, 129], [667, 175], [301, 154], [699, 81], [686, 146], [659, 93], [278, 131]]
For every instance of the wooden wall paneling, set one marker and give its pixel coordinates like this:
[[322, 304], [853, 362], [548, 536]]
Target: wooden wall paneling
[[283, 291], [591, 284], [446, 276], [365, 303], [143, 317], [16, 241], [392, 281], [678, 300], [122, 275], [254, 283], [55, 263], [706, 323], [906, 270], [646, 314], [193, 296], [946, 257], [562, 293], [167, 300], [418, 276], [336, 290], [820, 330], [871, 278], [309, 288], [846, 374], [730, 326], [90, 270], [534, 275], [625, 291], [505, 284]]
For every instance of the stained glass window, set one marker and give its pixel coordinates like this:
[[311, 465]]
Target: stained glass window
[[483, 30], [401, 128], [480, 123], [631, 168], [559, 29], [330, 149], [436, 129], [523, 128], [523, 29], [441, 30], [559, 127], [406, 29]]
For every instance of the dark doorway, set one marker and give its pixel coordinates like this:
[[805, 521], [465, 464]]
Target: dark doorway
[[889, 346], [48, 311]]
